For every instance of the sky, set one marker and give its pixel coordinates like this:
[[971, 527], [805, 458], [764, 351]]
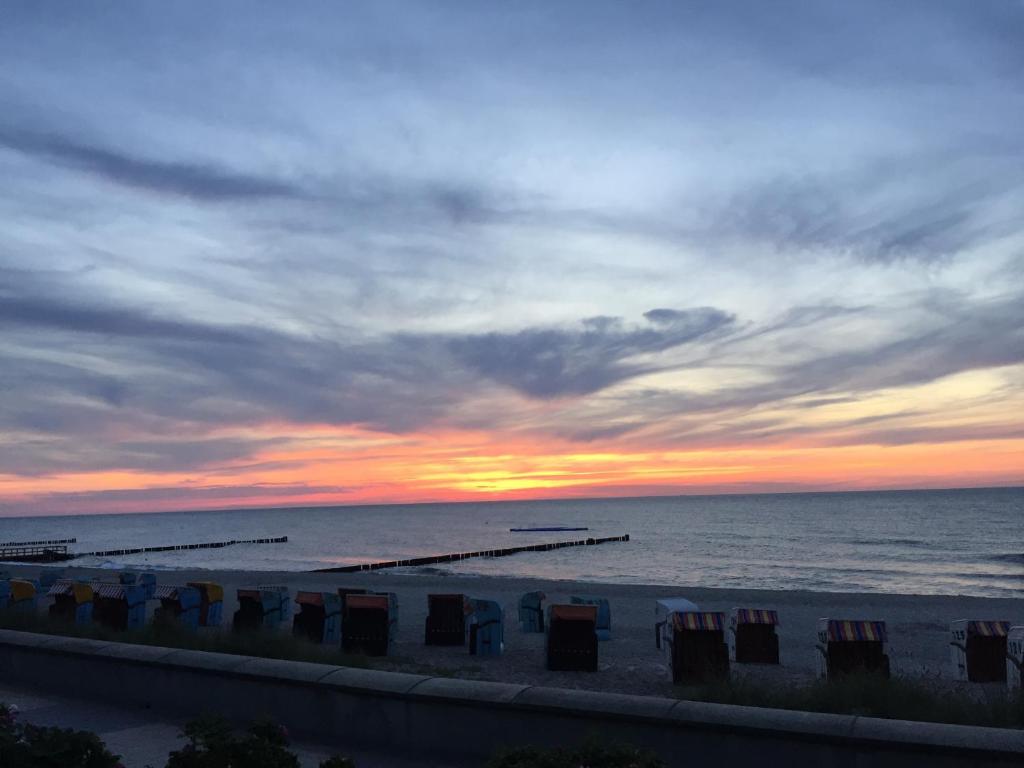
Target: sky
[[260, 254]]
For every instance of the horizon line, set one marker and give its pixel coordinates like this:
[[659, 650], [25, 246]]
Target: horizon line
[[521, 501]]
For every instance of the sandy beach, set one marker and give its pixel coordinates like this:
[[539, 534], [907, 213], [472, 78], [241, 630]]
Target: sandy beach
[[629, 662]]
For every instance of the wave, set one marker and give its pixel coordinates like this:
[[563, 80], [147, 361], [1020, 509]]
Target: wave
[[1013, 557]]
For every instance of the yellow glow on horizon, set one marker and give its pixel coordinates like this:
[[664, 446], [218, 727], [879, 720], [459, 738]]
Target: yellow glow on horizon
[[856, 444]]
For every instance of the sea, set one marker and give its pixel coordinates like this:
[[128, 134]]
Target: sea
[[966, 541]]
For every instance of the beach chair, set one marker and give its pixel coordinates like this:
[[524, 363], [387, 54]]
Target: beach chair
[[178, 605], [366, 624], [148, 583], [604, 614], [18, 595], [694, 646], [50, 576], [849, 647], [319, 617], [663, 610], [486, 628], [72, 601], [572, 638], [752, 636], [119, 606], [531, 612], [1015, 658], [258, 608], [446, 620], [978, 650], [211, 602]]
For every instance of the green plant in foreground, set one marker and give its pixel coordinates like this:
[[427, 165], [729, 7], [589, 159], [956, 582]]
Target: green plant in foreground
[[213, 743], [592, 754], [32, 746]]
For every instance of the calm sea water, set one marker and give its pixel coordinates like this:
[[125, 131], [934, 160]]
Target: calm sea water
[[928, 542]]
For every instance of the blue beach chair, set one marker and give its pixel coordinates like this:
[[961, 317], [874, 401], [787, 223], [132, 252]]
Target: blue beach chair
[[178, 604], [531, 612], [211, 602], [260, 608], [23, 595], [604, 614], [486, 628], [72, 601], [319, 617], [119, 606]]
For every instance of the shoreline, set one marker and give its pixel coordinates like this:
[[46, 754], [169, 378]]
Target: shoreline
[[918, 625]]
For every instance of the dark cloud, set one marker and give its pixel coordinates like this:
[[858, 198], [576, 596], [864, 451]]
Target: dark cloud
[[69, 452], [869, 214], [196, 181], [548, 363], [184, 497]]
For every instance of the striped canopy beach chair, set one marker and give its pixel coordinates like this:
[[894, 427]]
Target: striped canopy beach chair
[[572, 638], [178, 605], [50, 576], [119, 606], [72, 601], [752, 636], [318, 618], [694, 646], [848, 646], [978, 650], [1015, 658], [211, 602], [531, 612]]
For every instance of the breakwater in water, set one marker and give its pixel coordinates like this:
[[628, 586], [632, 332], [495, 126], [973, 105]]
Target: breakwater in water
[[456, 556], [176, 547]]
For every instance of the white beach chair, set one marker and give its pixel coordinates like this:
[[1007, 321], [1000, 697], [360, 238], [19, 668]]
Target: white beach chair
[[978, 650], [663, 609], [1015, 658]]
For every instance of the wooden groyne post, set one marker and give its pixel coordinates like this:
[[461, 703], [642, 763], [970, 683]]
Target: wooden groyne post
[[176, 547], [41, 543], [466, 555]]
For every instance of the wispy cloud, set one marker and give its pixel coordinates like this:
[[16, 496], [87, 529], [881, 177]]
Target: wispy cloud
[[193, 180]]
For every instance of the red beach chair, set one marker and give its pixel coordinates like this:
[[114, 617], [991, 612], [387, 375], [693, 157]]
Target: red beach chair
[[572, 638], [446, 620]]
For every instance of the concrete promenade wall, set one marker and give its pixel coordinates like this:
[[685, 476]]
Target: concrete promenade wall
[[468, 720]]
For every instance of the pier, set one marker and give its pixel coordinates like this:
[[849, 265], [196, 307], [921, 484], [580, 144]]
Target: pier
[[35, 554], [434, 559]]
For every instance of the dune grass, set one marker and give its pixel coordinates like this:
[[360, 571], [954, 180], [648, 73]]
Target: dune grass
[[898, 698], [270, 645]]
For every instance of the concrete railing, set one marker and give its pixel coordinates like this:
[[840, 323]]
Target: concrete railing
[[468, 720]]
